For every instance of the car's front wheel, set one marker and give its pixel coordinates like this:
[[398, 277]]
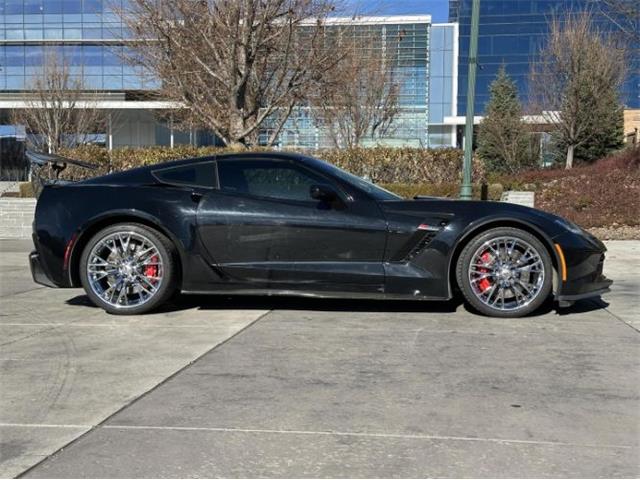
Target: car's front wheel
[[505, 272], [128, 269]]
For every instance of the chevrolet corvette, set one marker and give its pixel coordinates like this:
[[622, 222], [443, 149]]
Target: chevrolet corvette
[[287, 224]]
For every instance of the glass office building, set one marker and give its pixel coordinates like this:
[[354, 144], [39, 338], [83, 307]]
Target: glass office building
[[443, 84], [88, 36], [511, 32], [425, 60]]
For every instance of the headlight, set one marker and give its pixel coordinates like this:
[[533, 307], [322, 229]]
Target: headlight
[[572, 227]]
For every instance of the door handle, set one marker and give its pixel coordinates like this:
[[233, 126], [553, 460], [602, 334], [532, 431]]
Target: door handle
[[196, 197]]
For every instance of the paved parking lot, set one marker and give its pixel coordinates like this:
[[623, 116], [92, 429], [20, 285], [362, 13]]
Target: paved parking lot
[[239, 387]]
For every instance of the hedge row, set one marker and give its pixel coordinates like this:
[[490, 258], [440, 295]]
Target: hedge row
[[381, 164], [602, 194], [448, 190]]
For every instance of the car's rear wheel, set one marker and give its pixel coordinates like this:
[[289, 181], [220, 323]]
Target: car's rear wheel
[[128, 269], [505, 272]]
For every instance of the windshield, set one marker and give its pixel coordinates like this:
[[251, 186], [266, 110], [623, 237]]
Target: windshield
[[375, 191]]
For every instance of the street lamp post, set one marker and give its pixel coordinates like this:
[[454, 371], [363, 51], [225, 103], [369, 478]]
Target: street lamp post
[[465, 190]]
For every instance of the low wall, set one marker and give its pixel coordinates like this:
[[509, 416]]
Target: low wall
[[16, 217]]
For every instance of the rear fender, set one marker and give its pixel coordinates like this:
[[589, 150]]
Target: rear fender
[[67, 216], [84, 233]]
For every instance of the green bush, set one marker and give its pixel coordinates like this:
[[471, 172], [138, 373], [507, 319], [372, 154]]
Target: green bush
[[407, 190], [402, 165], [125, 158], [26, 190], [446, 190], [381, 164]]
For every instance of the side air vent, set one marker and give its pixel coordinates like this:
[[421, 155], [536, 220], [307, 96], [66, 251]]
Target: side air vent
[[421, 245]]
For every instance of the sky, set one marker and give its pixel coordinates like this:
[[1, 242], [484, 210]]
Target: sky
[[438, 9]]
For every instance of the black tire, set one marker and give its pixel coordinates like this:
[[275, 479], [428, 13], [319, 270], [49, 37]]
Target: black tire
[[167, 256], [473, 293]]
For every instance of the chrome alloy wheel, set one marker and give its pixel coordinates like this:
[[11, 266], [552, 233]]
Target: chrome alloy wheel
[[125, 269], [506, 273]]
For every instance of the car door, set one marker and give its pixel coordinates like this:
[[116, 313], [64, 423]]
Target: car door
[[261, 227]]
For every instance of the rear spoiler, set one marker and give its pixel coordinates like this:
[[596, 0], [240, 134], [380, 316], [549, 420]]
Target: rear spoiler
[[57, 162]]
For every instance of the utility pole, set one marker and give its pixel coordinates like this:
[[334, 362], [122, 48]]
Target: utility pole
[[466, 191]]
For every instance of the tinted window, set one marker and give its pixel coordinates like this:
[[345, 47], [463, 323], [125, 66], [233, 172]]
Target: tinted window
[[375, 191], [266, 178], [200, 175]]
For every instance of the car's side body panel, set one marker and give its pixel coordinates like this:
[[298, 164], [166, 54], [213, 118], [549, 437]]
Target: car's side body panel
[[293, 245]]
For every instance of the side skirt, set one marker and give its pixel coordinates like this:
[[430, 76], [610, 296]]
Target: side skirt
[[313, 294]]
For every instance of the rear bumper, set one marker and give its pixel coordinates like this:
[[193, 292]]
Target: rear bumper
[[37, 272]]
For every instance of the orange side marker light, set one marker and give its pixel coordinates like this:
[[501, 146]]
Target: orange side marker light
[[563, 263]]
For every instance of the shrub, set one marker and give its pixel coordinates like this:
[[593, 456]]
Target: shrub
[[407, 190], [125, 158], [381, 164], [26, 190], [402, 165], [446, 190]]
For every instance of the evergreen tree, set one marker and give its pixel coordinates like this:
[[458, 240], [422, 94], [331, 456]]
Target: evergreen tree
[[503, 139]]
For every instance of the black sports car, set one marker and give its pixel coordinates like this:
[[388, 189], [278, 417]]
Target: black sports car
[[275, 223]]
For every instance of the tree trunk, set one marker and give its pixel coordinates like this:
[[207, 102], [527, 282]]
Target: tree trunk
[[570, 151], [236, 140]]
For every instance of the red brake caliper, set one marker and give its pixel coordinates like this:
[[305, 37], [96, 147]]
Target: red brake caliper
[[152, 270], [485, 284]]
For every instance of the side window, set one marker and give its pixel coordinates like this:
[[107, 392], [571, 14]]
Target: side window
[[265, 178], [197, 174]]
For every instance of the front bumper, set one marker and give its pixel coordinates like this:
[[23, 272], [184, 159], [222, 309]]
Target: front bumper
[[585, 257], [37, 272], [588, 294]]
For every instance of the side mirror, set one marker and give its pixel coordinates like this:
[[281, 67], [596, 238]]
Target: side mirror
[[323, 193]]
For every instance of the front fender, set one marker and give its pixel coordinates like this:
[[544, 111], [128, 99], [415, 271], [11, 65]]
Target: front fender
[[465, 230]]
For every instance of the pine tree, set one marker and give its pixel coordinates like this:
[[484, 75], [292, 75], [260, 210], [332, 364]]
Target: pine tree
[[503, 139]]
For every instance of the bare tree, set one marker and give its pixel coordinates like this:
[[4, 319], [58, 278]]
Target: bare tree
[[576, 81], [359, 98], [59, 111], [234, 64], [625, 14]]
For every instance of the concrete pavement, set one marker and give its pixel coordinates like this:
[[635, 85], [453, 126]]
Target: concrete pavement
[[321, 388], [66, 366], [623, 265]]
